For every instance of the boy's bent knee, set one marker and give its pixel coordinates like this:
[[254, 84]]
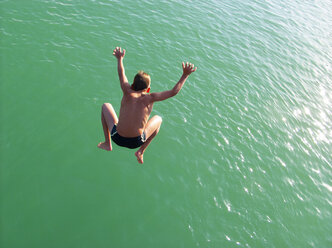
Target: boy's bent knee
[[158, 118], [159, 121], [107, 105]]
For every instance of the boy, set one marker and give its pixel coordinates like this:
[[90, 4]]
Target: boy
[[134, 129]]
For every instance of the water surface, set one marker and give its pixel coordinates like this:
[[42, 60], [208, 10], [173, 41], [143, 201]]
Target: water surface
[[243, 158]]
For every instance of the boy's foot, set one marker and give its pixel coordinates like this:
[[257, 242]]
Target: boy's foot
[[139, 156], [105, 145]]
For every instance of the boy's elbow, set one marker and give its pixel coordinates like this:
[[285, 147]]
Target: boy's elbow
[[174, 92]]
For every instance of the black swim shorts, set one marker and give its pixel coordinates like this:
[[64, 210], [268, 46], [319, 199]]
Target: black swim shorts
[[131, 143]]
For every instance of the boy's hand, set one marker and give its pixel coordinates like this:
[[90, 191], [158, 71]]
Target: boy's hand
[[118, 53], [188, 68]]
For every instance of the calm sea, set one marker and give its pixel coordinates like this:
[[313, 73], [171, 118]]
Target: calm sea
[[243, 158]]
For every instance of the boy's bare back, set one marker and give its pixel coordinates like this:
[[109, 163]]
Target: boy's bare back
[[135, 110]]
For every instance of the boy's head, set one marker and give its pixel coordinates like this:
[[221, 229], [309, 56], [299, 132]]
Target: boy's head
[[141, 82]]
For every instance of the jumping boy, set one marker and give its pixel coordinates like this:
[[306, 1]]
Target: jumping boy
[[134, 129]]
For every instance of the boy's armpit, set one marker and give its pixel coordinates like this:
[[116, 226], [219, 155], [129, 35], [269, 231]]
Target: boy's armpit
[[125, 86]]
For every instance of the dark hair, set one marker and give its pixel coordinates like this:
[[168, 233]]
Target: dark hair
[[141, 81]]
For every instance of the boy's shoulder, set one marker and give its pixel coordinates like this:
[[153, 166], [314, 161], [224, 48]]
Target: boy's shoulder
[[138, 95]]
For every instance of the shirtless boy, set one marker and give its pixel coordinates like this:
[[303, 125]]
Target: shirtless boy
[[134, 129]]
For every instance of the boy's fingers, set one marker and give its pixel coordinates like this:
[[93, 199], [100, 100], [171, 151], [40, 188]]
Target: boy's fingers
[[190, 66]]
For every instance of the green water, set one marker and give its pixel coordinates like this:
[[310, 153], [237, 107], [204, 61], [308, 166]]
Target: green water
[[243, 158]]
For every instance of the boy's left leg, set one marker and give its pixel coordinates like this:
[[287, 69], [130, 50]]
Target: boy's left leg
[[151, 130], [108, 119]]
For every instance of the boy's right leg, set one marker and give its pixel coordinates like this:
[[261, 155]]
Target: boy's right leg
[[108, 119], [151, 130]]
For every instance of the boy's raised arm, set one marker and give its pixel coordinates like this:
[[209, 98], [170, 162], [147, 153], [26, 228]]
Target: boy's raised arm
[[119, 54], [188, 68]]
